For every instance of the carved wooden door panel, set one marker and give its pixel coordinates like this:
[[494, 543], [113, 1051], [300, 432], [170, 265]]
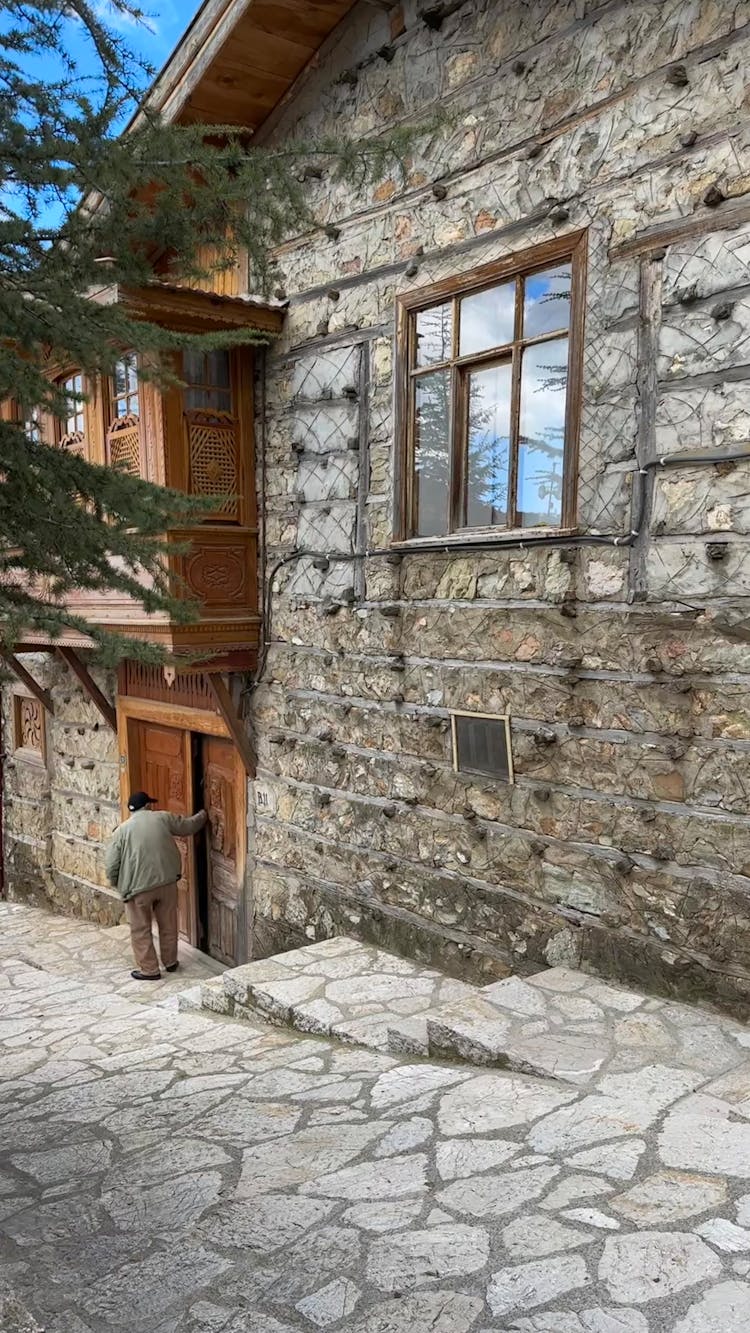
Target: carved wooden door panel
[[161, 765], [223, 798]]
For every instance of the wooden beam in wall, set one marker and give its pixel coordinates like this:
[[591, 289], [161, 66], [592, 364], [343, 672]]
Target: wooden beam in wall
[[44, 697], [71, 658], [226, 707]]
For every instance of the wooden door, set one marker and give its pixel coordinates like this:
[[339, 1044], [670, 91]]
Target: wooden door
[[161, 764], [223, 795]]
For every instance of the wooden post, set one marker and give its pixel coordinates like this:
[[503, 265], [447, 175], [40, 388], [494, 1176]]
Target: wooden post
[[99, 701], [234, 722], [32, 686]]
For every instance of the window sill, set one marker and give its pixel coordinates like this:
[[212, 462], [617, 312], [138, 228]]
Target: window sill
[[487, 539]]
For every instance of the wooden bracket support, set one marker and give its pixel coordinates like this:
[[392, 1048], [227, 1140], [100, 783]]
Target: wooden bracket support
[[44, 697], [226, 707], [71, 658]]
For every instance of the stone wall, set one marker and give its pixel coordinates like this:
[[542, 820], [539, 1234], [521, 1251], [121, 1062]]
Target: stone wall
[[624, 845], [59, 809]]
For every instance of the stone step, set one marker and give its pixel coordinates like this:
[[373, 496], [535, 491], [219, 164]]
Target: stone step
[[559, 1024], [338, 988], [565, 1025]]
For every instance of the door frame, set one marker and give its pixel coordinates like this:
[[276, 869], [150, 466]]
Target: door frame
[[204, 723]]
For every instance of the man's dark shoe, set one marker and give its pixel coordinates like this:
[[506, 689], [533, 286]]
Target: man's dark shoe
[[172, 967], [142, 976]]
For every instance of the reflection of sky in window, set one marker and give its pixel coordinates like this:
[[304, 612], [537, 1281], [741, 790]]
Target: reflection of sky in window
[[487, 319], [547, 301], [544, 380], [489, 446]]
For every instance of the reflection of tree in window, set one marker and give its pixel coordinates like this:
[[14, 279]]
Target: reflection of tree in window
[[541, 440], [489, 393], [74, 421], [125, 396]]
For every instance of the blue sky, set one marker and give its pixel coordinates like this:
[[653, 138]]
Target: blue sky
[[168, 20]]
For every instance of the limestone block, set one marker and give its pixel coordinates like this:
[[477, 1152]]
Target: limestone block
[[606, 574], [655, 704], [683, 570], [307, 581], [707, 265], [328, 478], [609, 425], [692, 341], [604, 500], [79, 859], [324, 427], [638, 641], [101, 780], [702, 501], [382, 360], [97, 742], [29, 819], [711, 417], [72, 704], [329, 528], [326, 374], [25, 779]]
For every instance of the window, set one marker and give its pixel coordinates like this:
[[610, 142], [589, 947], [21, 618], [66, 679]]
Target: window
[[74, 421], [32, 424], [212, 430], [208, 381], [489, 393], [124, 392], [123, 427]]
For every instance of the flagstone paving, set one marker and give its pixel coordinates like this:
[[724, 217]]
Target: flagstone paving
[[181, 1172]]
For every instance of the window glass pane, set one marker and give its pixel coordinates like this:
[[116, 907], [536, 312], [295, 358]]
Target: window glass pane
[[434, 334], [489, 393], [193, 367], [217, 369], [547, 301], [208, 376], [125, 386], [487, 319], [432, 452], [544, 382]]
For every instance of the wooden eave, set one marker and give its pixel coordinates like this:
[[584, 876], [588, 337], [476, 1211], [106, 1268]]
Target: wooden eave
[[189, 310], [240, 58]]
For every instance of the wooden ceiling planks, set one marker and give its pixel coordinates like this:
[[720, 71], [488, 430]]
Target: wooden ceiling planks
[[263, 55]]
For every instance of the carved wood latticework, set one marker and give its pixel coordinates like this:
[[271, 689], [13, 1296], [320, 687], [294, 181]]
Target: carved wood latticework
[[124, 444], [189, 688], [213, 458], [29, 727], [74, 443]]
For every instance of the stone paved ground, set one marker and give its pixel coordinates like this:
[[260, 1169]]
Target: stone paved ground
[[180, 1173]]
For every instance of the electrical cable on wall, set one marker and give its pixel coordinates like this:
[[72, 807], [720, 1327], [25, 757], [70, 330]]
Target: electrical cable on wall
[[487, 544]]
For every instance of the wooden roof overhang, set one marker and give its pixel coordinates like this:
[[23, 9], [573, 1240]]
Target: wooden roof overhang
[[189, 310], [240, 58]]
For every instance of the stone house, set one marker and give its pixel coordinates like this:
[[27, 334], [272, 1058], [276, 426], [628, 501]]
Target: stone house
[[496, 676]]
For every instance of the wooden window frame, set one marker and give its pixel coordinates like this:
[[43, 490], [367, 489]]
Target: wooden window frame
[[176, 416], [113, 398], [80, 409], [521, 264]]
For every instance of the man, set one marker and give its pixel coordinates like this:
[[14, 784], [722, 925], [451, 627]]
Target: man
[[143, 863]]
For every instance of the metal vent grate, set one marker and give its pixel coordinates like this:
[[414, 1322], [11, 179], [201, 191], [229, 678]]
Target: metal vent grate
[[481, 744]]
